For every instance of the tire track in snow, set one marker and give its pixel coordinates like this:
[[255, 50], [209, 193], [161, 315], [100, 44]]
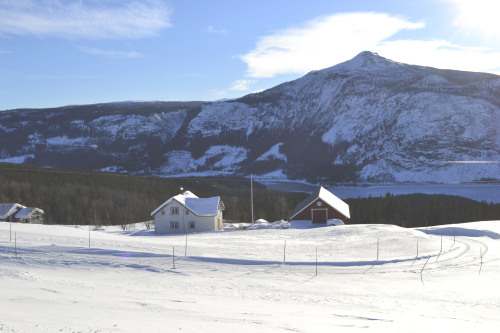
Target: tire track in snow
[[466, 258]]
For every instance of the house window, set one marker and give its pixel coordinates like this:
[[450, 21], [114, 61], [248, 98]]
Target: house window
[[187, 211], [163, 212], [191, 225], [174, 224], [174, 210]]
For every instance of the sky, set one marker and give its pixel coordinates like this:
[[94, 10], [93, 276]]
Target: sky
[[65, 52]]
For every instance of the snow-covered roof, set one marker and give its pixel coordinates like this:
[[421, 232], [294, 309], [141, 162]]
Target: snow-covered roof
[[199, 206], [8, 209], [326, 196], [25, 213]]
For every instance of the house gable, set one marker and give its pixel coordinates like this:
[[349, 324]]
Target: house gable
[[321, 206], [197, 206]]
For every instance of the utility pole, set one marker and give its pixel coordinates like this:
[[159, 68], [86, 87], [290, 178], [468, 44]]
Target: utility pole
[[251, 194]]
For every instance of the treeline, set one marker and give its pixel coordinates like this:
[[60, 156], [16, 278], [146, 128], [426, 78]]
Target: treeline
[[77, 197], [420, 210]]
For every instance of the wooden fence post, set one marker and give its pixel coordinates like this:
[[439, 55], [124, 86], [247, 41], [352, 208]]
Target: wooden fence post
[[316, 260], [173, 257], [378, 248], [284, 252]]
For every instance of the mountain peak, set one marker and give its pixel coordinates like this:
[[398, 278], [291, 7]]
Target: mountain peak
[[368, 54], [366, 61]]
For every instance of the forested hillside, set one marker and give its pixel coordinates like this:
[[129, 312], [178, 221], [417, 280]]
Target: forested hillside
[[75, 197], [419, 210]]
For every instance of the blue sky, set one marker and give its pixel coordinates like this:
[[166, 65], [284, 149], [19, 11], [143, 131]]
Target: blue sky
[[62, 52]]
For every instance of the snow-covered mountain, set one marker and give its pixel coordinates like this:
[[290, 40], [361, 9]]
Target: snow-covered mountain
[[369, 119]]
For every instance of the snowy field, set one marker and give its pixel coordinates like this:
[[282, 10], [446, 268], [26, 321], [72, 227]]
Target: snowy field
[[246, 281]]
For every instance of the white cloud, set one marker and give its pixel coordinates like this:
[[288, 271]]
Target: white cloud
[[242, 85], [105, 19], [329, 40], [441, 54], [321, 43], [111, 53], [213, 30]]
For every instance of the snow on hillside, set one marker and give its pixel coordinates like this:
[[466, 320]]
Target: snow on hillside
[[166, 123], [219, 158], [16, 159], [71, 142], [245, 281], [273, 153], [213, 120]]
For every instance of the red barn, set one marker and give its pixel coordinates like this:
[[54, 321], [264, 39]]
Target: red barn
[[320, 207]]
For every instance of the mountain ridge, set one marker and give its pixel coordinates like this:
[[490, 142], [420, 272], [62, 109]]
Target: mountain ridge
[[369, 119]]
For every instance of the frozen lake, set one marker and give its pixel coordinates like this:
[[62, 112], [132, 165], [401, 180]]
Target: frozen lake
[[479, 192]]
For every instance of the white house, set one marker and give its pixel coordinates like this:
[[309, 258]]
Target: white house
[[188, 213]]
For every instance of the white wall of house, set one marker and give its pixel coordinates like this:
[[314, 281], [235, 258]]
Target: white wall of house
[[174, 218]]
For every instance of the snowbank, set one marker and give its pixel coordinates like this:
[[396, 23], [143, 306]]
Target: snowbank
[[258, 225]]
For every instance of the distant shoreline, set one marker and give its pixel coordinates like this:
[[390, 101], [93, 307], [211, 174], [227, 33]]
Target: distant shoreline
[[489, 192]]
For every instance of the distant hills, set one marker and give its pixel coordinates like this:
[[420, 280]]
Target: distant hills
[[369, 119]]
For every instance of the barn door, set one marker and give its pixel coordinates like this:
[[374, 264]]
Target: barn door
[[319, 215]]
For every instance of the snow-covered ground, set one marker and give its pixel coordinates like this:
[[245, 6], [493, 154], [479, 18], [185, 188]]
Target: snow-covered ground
[[245, 281]]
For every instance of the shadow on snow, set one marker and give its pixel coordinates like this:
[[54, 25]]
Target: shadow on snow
[[463, 232]]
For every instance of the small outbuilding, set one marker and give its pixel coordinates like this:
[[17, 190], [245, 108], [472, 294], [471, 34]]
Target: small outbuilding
[[30, 215], [14, 212], [8, 211], [320, 207], [188, 213]]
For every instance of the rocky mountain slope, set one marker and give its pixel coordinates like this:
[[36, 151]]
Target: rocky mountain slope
[[369, 119]]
